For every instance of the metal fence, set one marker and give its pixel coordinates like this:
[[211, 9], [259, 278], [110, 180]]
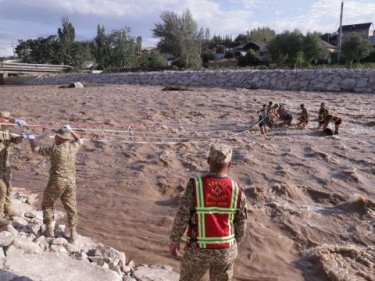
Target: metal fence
[[28, 67]]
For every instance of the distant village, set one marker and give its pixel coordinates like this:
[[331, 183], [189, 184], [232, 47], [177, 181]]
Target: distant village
[[328, 41]]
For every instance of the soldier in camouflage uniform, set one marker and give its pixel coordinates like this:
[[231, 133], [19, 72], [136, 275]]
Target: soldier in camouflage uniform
[[334, 118], [202, 253], [6, 139], [62, 178], [304, 119], [323, 112]]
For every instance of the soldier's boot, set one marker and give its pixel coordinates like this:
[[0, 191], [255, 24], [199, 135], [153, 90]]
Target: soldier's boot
[[4, 222], [73, 234], [50, 230], [11, 212]]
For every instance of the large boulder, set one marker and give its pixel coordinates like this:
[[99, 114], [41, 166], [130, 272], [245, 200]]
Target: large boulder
[[27, 246], [6, 238]]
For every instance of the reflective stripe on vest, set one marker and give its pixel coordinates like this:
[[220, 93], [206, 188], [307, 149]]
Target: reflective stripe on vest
[[202, 211]]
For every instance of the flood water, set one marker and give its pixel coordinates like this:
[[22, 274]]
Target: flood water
[[311, 198]]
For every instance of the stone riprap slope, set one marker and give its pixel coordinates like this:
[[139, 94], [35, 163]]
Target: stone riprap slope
[[331, 80], [25, 254]]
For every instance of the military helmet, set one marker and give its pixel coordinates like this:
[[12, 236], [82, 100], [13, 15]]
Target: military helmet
[[220, 153], [64, 134]]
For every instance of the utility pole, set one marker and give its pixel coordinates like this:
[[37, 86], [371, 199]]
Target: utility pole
[[340, 33], [13, 49]]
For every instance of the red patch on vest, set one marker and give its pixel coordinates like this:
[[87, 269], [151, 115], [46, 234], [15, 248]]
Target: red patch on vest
[[217, 192]]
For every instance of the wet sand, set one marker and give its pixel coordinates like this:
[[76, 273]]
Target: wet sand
[[312, 212]]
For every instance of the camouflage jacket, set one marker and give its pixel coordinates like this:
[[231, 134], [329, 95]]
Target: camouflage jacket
[[323, 112], [186, 210], [63, 158], [6, 139], [304, 114]]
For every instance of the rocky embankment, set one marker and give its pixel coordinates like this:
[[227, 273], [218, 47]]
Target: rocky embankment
[[319, 80], [26, 255]]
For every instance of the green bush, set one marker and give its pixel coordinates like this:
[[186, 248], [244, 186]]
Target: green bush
[[370, 57], [151, 61], [354, 48], [251, 58], [207, 56], [229, 55]]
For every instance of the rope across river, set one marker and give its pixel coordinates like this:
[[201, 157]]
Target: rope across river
[[174, 135]]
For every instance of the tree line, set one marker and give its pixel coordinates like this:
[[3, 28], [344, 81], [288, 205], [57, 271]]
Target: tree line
[[188, 45], [117, 49]]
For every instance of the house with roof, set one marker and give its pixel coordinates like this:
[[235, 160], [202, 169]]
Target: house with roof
[[242, 49], [260, 48], [366, 30], [239, 50], [331, 48]]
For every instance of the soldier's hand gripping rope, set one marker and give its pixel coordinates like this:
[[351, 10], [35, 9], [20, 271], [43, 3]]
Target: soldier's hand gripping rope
[[27, 136]]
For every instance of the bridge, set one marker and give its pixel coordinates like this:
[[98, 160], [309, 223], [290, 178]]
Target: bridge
[[9, 68]]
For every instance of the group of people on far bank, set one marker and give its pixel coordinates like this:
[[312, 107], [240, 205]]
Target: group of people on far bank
[[275, 115]]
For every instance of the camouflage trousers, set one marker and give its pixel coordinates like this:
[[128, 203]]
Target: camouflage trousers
[[5, 191], [65, 189], [219, 262]]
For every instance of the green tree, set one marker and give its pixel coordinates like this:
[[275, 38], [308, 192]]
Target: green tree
[[83, 55], [207, 56], [56, 49], [151, 61], [40, 50], [261, 35], [121, 49], [312, 50], [139, 44], [207, 34], [354, 48], [216, 40], [286, 48], [180, 36], [100, 47], [225, 41], [242, 38], [66, 35], [370, 57], [23, 50]]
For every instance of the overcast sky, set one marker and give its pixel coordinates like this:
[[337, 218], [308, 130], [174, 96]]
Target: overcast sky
[[25, 19]]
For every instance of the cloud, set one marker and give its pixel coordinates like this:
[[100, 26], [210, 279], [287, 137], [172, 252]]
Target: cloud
[[4, 50], [324, 15], [247, 4]]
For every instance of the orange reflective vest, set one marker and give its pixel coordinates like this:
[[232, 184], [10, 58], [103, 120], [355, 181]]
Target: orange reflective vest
[[216, 202]]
